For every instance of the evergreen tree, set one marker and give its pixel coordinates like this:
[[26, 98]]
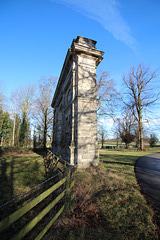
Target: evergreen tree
[[23, 131], [6, 126]]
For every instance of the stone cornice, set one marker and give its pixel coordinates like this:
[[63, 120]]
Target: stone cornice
[[69, 53], [77, 48], [79, 45]]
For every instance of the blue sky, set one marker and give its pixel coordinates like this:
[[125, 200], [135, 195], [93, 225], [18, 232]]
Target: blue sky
[[35, 36]]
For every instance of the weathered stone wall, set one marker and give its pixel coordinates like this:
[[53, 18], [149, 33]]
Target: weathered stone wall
[[75, 105]]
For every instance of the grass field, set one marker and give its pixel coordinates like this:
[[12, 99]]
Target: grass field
[[19, 173], [108, 203]]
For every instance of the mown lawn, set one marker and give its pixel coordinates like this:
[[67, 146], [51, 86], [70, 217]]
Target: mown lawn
[[19, 173], [108, 203]]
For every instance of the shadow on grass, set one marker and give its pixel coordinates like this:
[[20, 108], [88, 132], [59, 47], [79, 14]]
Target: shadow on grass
[[6, 180], [40, 151], [119, 159], [121, 163], [16, 176]]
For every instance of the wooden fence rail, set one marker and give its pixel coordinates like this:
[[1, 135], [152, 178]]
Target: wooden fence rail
[[66, 184]]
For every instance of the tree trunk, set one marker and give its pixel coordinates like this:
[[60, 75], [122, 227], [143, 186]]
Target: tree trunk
[[140, 117], [102, 141], [1, 141], [140, 131], [45, 131], [127, 146], [14, 125], [117, 142]]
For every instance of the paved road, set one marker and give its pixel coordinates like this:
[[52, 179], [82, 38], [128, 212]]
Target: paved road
[[148, 175]]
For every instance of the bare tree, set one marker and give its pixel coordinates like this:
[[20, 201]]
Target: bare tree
[[106, 95], [43, 111], [126, 128], [26, 99], [102, 135], [1, 100], [4, 105], [14, 100], [140, 94]]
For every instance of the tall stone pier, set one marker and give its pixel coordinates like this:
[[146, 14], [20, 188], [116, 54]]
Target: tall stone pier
[[75, 105]]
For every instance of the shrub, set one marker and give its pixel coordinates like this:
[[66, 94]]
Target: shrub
[[153, 140]]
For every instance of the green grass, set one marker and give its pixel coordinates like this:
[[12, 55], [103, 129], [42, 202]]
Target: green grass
[[19, 173], [132, 146], [108, 203]]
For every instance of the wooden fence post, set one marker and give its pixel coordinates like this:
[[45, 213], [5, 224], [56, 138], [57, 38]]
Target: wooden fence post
[[67, 198]]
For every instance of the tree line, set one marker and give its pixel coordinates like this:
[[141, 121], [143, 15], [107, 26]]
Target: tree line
[[30, 108], [140, 93]]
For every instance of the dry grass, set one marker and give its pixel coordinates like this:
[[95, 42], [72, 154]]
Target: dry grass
[[108, 203]]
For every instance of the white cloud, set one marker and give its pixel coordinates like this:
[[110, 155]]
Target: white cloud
[[107, 13], [106, 122]]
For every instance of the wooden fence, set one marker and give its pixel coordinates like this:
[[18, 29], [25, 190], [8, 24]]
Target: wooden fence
[[65, 195]]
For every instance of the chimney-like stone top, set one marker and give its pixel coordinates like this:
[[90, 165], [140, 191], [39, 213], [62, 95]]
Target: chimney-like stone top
[[86, 42]]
